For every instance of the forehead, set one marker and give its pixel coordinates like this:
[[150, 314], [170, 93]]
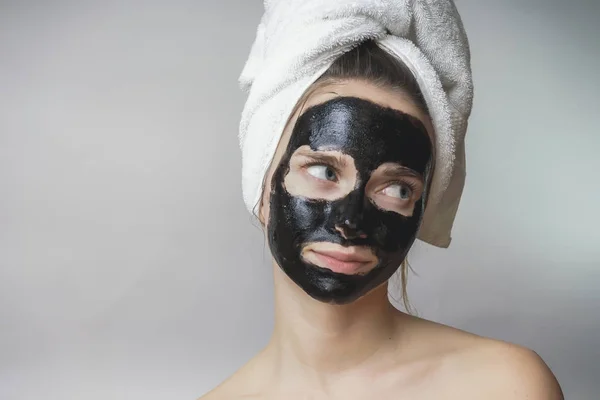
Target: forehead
[[368, 91], [355, 88], [371, 134]]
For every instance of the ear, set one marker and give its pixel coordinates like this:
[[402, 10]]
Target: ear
[[261, 216], [263, 208]]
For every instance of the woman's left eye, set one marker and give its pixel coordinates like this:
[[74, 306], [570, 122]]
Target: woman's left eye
[[322, 172], [402, 192]]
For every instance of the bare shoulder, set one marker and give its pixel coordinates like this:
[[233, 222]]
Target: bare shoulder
[[246, 383], [223, 391], [234, 387], [483, 368], [505, 370]]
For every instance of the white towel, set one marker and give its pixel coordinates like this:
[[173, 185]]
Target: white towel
[[297, 40]]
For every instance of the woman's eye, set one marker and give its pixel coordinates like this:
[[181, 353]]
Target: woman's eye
[[400, 191], [322, 172]]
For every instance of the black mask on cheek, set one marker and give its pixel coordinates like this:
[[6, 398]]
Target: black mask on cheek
[[371, 135]]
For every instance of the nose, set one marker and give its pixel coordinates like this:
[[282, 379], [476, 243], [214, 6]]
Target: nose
[[349, 215], [349, 230]]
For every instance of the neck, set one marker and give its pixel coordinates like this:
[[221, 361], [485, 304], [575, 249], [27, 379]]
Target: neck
[[323, 340]]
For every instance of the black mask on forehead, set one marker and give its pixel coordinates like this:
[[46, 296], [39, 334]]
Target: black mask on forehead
[[371, 135]]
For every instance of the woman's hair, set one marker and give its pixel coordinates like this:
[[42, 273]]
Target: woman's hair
[[370, 63]]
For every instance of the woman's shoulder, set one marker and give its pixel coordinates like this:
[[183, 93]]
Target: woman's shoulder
[[235, 387], [505, 370], [481, 367], [245, 383], [434, 360]]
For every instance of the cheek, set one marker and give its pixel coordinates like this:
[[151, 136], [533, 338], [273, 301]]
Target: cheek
[[391, 231]]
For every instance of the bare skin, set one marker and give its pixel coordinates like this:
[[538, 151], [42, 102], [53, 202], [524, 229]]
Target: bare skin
[[369, 350]]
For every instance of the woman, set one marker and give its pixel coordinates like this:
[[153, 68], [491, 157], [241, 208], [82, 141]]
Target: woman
[[344, 197]]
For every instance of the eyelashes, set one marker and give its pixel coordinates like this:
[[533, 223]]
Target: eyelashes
[[404, 184], [322, 172]]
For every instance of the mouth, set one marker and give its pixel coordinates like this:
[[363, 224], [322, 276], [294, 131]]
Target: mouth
[[352, 260]]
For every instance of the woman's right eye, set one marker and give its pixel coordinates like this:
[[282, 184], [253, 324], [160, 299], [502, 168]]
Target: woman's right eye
[[323, 172]]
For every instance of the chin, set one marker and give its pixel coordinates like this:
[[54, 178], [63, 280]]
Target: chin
[[330, 287]]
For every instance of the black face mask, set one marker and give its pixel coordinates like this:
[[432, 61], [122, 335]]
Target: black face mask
[[371, 135]]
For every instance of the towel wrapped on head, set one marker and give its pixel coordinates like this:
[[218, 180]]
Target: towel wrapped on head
[[298, 40]]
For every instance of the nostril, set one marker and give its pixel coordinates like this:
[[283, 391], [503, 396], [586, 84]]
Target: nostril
[[349, 230], [349, 224], [341, 230]]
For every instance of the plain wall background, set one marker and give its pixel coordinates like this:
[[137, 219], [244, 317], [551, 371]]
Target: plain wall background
[[129, 267]]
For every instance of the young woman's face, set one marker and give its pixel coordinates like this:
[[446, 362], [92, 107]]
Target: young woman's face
[[347, 190]]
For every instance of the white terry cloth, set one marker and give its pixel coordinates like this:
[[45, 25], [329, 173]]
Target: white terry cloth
[[297, 40]]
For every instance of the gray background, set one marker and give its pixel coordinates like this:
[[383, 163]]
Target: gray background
[[129, 268]]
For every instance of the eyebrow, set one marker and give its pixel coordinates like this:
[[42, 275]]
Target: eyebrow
[[335, 160], [392, 171]]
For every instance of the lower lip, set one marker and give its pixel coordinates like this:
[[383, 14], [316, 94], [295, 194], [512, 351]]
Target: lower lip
[[336, 265]]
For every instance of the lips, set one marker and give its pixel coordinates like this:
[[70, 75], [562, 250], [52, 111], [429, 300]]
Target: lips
[[350, 256], [345, 260]]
